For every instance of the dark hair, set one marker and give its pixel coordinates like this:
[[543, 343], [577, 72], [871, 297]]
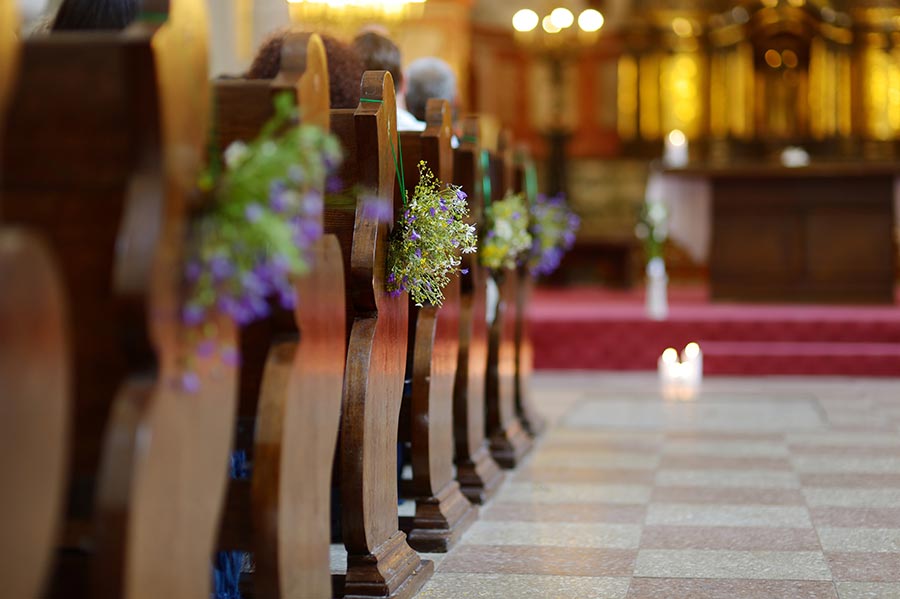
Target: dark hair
[[81, 15], [345, 69], [379, 53]]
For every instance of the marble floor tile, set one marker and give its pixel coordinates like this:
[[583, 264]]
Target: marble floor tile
[[865, 567], [878, 498], [498, 586], [737, 415], [728, 495], [868, 590], [731, 449], [855, 517], [760, 479], [850, 480], [677, 588], [855, 464], [730, 538], [708, 462], [572, 493], [555, 534], [564, 473], [871, 540], [834, 439], [564, 512], [763, 565], [591, 459], [554, 561], [682, 514]]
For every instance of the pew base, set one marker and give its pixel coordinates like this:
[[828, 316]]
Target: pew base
[[509, 446], [440, 520], [534, 425], [392, 571], [480, 477]]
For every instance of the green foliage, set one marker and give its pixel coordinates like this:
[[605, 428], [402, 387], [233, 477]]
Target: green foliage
[[507, 233], [428, 240]]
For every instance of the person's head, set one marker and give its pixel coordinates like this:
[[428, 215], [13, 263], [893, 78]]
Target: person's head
[[379, 53], [428, 78], [84, 15], [345, 69]]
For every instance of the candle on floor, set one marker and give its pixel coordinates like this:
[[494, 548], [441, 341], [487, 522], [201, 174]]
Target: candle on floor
[[692, 358]]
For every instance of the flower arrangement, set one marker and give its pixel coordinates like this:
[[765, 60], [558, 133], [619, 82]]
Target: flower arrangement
[[428, 240], [507, 233], [553, 227], [265, 217]]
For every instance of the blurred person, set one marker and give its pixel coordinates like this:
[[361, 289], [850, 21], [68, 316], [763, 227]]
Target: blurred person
[[86, 15], [345, 69], [428, 78], [379, 53]]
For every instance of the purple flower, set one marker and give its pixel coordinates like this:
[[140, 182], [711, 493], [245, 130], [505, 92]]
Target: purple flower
[[413, 236], [190, 382], [378, 209], [192, 271], [206, 348], [192, 315], [333, 184], [231, 357], [306, 232], [392, 278], [278, 196], [432, 211], [443, 205], [464, 271], [461, 195], [287, 297], [419, 253], [516, 215], [253, 212], [221, 267], [236, 310], [395, 292]]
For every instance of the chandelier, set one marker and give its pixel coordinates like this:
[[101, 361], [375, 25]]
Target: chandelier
[[558, 29], [345, 14]]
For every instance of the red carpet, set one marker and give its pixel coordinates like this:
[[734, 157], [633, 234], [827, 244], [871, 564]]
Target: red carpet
[[596, 329]]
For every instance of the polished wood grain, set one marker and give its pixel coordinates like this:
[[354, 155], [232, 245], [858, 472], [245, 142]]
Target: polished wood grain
[[478, 474], [292, 372], [122, 120], [508, 439], [442, 511], [380, 563], [35, 399]]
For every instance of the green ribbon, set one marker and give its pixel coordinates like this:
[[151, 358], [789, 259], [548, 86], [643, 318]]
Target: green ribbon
[[398, 165], [486, 177], [153, 17]]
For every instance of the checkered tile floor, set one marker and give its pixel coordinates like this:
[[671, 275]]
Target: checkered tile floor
[[758, 488]]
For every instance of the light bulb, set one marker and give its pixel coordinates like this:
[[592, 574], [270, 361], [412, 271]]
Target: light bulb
[[525, 20], [562, 17], [590, 20], [549, 27], [677, 138]]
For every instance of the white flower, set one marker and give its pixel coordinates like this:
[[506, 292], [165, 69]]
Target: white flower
[[235, 154]]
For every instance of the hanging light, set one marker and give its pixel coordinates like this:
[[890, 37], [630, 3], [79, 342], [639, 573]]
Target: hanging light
[[525, 20], [348, 14], [557, 31]]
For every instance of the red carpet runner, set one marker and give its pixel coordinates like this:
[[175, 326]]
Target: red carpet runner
[[596, 329]]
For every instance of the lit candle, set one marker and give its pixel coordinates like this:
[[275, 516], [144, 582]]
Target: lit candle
[[692, 358], [676, 151], [668, 366]]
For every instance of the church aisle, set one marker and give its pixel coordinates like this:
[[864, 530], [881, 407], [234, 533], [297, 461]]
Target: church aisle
[[769, 488]]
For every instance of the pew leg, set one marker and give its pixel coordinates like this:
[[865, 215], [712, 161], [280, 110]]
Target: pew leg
[[534, 423], [479, 475], [380, 563], [441, 520]]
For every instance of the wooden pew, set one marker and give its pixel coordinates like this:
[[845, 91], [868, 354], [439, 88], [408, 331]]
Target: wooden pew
[[509, 441], [106, 179], [34, 384], [534, 423], [442, 511], [478, 474], [380, 563], [290, 398]]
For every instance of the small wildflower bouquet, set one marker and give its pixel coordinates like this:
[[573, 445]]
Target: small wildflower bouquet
[[507, 233], [428, 240], [553, 227], [264, 219]]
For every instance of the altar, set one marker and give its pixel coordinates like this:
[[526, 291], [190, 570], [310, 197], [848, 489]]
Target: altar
[[824, 233]]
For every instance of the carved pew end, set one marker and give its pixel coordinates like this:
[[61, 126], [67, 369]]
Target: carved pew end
[[480, 478]]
